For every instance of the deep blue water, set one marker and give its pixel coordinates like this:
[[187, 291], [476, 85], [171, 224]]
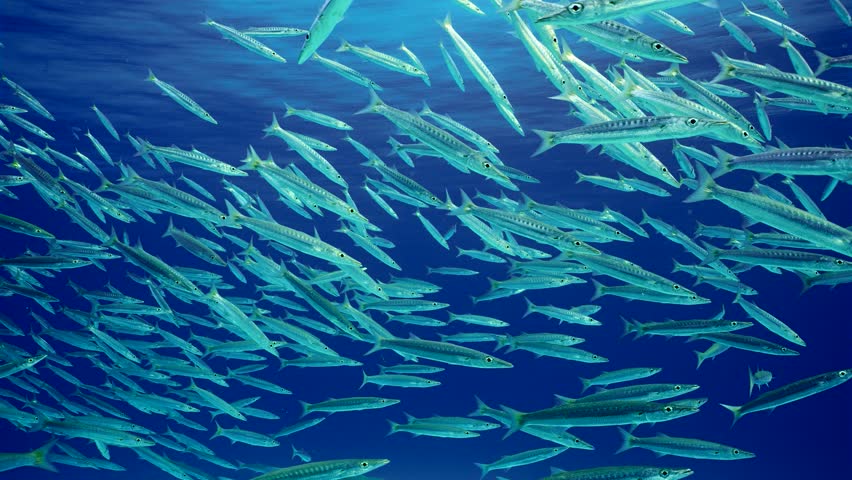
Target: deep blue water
[[73, 54]]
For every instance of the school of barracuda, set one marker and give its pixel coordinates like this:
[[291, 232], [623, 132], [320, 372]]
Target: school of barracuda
[[155, 367]]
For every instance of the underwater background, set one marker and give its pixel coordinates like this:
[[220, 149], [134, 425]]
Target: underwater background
[[72, 54]]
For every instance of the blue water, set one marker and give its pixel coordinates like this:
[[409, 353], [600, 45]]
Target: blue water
[[73, 54]]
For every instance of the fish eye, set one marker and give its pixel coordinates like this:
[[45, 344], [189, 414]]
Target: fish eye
[[577, 243], [734, 323], [736, 452], [668, 409], [692, 121], [842, 373], [308, 37], [665, 170], [30, 360], [751, 127], [486, 165], [677, 387], [617, 232], [575, 8], [488, 359], [222, 217], [658, 46], [504, 97], [745, 134], [693, 297], [839, 262], [351, 210], [138, 440], [676, 287], [365, 464], [341, 255], [664, 473]]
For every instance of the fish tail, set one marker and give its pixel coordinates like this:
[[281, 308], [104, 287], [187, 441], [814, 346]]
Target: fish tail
[[233, 214], [218, 432], [626, 440], [512, 6], [727, 68], [376, 346], [586, 384], [737, 411], [705, 188], [375, 102], [530, 307], [344, 46], [393, 428], [516, 419], [547, 141], [484, 467], [726, 161], [425, 110], [580, 177], [40, 457], [631, 326], [480, 407], [599, 290], [824, 62], [364, 380], [446, 23], [288, 112], [672, 71], [306, 407], [750, 380], [701, 357], [151, 77]]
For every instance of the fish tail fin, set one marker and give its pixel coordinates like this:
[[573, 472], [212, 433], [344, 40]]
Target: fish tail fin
[[599, 290], [737, 411], [40, 457], [580, 177], [169, 229], [701, 357], [344, 46], [547, 141], [530, 307], [374, 103], [516, 420], [672, 71], [631, 326], [705, 188], [512, 6], [306, 407], [425, 110], [151, 77], [586, 384], [726, 68], [750, 381], [364, 379], [393, 428], [446, 23], [824, 63], [376, 346], [233, 213], [726, 161], [218, 432], [626, 440], [289, 111], [484, 467], [480, 407]]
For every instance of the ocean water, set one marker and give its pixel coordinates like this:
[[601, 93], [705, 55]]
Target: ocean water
[[72, 54]]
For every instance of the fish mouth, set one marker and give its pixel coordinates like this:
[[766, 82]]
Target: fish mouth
[[680, 58]]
